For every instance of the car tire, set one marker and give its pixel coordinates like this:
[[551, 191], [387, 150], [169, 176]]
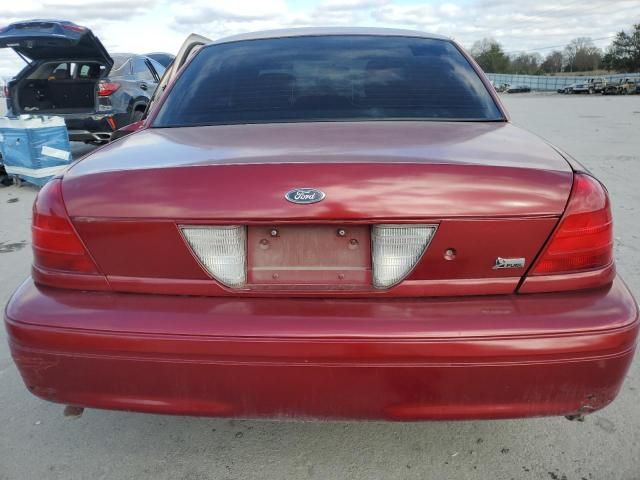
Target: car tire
[[137, 115]]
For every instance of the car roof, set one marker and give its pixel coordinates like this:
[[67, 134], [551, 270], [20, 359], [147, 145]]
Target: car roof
[[328, 31]]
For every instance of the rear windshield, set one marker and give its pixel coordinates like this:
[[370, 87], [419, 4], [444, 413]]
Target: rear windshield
[[118, 63], [327, 78]]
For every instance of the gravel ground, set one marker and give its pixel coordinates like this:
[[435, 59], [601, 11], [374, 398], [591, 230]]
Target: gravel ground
[[36, 441]]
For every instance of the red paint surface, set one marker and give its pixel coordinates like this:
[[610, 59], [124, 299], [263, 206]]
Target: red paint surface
[[495, 191], [453, 340], [368, 170], [152, 257], [480, 357]]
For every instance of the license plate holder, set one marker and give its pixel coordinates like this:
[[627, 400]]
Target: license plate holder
[[327, 256]]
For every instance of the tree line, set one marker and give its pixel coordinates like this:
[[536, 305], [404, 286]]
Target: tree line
[[580, 55]]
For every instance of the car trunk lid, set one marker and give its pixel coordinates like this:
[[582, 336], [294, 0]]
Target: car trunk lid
[[491, 193], [54, 39]]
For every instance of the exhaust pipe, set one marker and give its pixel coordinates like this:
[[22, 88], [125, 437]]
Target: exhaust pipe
[[102, 137]]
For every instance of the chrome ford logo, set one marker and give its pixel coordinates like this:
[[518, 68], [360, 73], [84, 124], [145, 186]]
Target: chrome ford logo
[[304, 195]]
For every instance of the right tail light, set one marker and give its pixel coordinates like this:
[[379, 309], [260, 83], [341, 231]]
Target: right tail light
[[582, 244]]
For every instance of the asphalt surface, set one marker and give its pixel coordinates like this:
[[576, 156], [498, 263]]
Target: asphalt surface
[[37, 442]]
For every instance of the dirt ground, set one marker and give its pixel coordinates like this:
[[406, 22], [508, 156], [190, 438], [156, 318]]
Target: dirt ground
[[36, 441]]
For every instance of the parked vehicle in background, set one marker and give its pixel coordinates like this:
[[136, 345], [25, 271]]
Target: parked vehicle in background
[[502, 87], [576, 88], [162, 58], [611, 88], [518, 89], [326, 223], [3, 97], [71, 75], [588, 86], [580, 87], [596, 85], [592, 85], [188, 48], [135, 79], [626, 86]]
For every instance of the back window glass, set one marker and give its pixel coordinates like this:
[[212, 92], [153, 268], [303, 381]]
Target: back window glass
[[327, 78], [121, 66]]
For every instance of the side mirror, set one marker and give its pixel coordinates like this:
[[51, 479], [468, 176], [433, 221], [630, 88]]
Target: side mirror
[[128, 129]]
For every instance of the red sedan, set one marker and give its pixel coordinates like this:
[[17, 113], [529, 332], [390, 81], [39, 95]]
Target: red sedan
[[334, 223]]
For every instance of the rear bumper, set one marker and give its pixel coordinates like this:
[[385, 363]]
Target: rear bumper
[[94, 127], [402, 359], [87, 136]]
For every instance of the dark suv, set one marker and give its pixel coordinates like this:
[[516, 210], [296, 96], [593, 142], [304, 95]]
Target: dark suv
[[70, 74]]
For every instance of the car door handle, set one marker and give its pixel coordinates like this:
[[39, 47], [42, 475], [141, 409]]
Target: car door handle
[[144, 86]]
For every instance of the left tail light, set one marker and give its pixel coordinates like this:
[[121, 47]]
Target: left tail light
[[56, 245], [107, 88]]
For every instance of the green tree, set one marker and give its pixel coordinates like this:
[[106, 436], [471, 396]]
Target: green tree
[[490, 56], [526, 64], [552, 62], [581, 55], [624, 52]]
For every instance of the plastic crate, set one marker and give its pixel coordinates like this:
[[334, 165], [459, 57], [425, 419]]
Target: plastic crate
[[35, 149]]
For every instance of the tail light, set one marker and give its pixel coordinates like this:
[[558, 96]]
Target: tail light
[[74, 28], [583, 240], [221, 250], [107, 88], [56, 245], [396, 250], [579, 253]]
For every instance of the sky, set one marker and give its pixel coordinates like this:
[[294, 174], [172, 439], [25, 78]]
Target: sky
[[141, 26]]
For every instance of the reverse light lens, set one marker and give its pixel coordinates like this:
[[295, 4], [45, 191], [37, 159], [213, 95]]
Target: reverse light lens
[[584, 239], [221, 250], [396, 250]]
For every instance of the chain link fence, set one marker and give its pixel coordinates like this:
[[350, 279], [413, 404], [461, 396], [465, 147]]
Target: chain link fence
[[552, 82]]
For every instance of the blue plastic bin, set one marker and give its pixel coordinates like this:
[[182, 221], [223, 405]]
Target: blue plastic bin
[[34, 148]]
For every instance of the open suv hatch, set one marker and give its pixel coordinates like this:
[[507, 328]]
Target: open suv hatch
[[67, 75]]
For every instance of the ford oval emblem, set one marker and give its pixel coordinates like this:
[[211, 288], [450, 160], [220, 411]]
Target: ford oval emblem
[[304, 195]]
